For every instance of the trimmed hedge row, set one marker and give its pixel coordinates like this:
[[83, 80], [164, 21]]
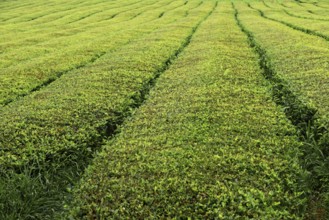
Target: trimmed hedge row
[[208, 143], [55, 24], [41, 9], [26, 68], [301, 60], [311, 26], [76, 111], [47, 138], [300, 9]]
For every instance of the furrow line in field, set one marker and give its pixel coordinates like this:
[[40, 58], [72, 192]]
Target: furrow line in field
[[187, 12], [110, 8], [52, 22], [167, 63], [11, 6], [45, 22], [58, 74], [284, 5], [40, 3], [75, 31], [311, 12], [298, 28], [90, 26], [298, 2], [141, 96], [64, 14], [170, 11], [114, 15], [58, 9], [311, 126], [303, 17], [78, 113], [31, 10], [32, 4], [60, 70], [173, 57], [93, 12], [309, 8], [162, 6], [300, 114], [73, 7], [266, 5], [305, 10], [52, 79], [201, 145], [36, 17], [185, 3], [163, 13], [320, 6], [128, 10], [85, 16]]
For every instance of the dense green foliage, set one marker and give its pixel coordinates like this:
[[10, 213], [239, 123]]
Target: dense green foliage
[[64, 121], [73, 111], [208, 143], [303, 65], [315, 26], [307, 11], [33, 58], [179, 109]]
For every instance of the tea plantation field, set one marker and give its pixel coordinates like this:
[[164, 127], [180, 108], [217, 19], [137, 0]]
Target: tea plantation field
[[164, 109]]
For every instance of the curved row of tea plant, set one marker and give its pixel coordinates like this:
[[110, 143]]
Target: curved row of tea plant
[[94, 25], [296, 56], [47, 12], [60, 20], [209, 143], [59, 126], [302, 62], [302, 10], [29, 67], [314, 27], [59, 116]]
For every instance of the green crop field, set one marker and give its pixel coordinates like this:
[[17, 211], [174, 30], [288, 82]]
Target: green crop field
[[164, 109]]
